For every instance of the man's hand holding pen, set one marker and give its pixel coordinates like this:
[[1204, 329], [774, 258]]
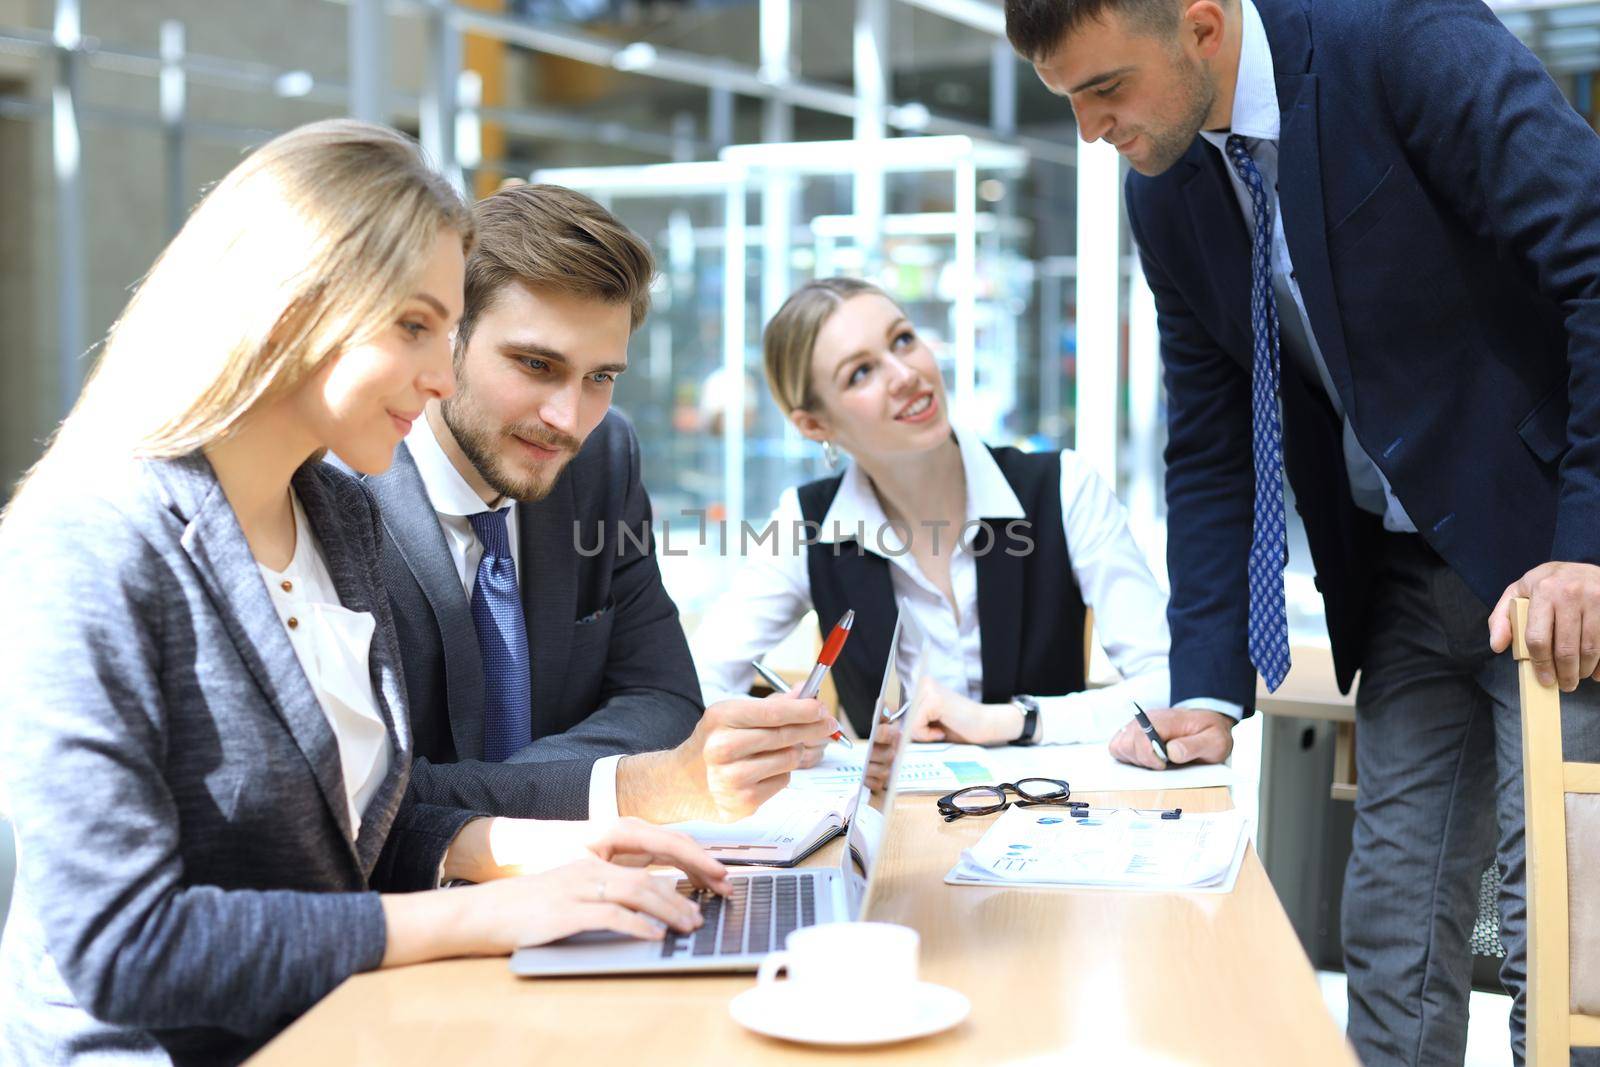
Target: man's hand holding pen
[[813, 750], [739, 756], [1190, 735]]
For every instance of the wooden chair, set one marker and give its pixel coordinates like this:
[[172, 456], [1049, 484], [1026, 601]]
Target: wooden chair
[[1562, 803]]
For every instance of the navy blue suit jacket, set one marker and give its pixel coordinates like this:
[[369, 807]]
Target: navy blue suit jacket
[[1440, 204]]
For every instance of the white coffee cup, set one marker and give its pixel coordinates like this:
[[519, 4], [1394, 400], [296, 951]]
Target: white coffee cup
[[848, 964]]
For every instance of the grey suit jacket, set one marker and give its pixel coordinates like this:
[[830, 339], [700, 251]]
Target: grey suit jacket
[[610, 663], [187, 883]]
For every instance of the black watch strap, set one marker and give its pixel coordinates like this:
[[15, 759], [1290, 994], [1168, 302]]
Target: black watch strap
[[1030, 719]]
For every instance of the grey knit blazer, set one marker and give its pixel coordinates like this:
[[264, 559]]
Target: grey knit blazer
[[186, 883]]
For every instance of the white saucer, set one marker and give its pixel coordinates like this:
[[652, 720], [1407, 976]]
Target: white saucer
[[779, 1010]]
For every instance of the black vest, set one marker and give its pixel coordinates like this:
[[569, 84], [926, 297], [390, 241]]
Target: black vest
[[1030, 612]]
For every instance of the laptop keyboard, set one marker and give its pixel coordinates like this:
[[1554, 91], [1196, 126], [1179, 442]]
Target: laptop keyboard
[[756, 917]]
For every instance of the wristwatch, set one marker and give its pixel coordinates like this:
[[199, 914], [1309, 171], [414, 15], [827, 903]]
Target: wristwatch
[[1030, 719]]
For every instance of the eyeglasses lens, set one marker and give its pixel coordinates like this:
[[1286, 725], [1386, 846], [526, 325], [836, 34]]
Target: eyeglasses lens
[[978, 798], [1041, 789]]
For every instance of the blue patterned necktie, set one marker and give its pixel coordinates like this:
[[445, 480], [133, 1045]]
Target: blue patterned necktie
[[502, 642], [1269, 619]]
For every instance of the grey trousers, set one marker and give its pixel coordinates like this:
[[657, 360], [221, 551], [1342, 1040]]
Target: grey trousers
[[1439, 796]]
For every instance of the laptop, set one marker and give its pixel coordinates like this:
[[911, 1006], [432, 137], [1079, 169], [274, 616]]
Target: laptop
[[765, 905]]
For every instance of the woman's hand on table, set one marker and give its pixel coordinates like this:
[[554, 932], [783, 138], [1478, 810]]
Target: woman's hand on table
[[940, 714]]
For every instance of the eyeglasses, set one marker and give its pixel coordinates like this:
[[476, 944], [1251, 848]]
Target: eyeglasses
[[988, 799]]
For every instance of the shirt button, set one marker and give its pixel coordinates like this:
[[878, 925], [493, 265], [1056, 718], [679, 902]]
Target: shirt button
[[288, 586], [294, 623]]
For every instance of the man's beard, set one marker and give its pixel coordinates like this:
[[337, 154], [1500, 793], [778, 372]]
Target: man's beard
[[1168, 145], [480, 443]]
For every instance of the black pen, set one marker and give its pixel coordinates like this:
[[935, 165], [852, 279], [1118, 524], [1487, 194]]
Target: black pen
[[1150, 731]]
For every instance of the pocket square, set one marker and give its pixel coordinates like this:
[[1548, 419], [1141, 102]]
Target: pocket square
[[594, 616]]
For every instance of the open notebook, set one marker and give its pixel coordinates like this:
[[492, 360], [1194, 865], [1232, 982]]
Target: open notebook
[[782, 832], [796, 822]]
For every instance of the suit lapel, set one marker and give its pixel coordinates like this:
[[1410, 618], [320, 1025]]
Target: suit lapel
[[549, 586], [413, 526], [221, 555], [1305, 222], [1219, 228]]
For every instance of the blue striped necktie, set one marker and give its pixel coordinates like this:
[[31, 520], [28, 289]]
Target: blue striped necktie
[[1269, 548], [502, 641]]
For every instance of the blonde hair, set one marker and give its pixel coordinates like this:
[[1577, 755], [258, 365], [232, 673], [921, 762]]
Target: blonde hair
[[309, 245], [790, 339], [552, 237]]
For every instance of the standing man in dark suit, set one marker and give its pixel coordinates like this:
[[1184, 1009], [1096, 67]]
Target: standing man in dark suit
[[1373, 238], [549, 676]]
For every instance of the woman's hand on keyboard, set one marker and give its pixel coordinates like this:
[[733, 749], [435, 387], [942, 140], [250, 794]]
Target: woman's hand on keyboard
[[527, 846], [636, 843], [496, 918]]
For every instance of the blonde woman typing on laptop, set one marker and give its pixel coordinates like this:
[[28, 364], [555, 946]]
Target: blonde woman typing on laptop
[[205, 738], [993, 552]]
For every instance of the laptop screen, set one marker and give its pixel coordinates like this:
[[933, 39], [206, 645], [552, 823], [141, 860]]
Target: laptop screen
[[870, 808]]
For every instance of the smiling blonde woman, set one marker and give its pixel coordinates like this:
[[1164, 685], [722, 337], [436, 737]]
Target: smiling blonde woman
[[994, 552], [205, 738]]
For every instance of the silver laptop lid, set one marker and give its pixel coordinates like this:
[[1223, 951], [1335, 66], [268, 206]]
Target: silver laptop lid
[[864, 838]]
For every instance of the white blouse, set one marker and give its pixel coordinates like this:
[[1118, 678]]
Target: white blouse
[[772, 592], [334, 646]]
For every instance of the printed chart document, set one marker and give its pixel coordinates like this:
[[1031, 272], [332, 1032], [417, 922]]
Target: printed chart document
[[781, 833], [1119, 849], [944, 768], [923, 769]]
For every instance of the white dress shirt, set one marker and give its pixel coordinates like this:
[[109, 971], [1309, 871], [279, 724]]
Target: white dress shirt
[[453, 501], [772, 592], [333, 645]]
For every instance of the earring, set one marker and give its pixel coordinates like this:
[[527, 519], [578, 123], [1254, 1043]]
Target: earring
[[830, 454]]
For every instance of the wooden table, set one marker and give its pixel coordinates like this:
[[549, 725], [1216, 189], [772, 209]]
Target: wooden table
[[1087, 977]]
